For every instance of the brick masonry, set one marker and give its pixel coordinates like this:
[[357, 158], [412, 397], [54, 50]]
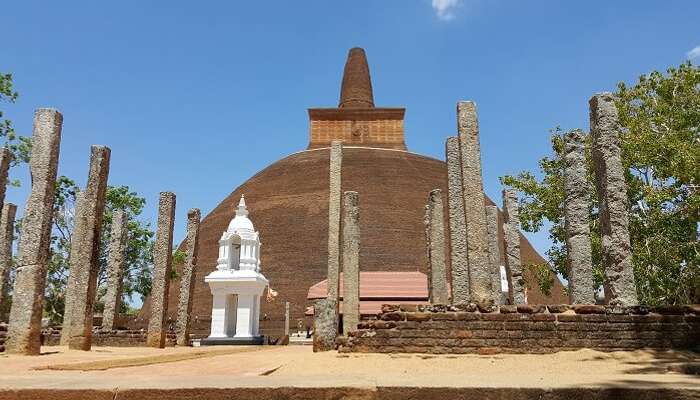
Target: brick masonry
[[114, 338], [524, 329], [3, 336], [363, 132], [393, 234]]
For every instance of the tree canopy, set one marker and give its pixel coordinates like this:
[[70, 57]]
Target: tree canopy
[[661, 151]]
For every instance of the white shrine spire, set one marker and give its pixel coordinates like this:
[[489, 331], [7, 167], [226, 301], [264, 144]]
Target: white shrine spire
[[242, 210], [240, 222]]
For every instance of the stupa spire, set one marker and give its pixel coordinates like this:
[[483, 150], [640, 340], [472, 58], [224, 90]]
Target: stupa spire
[[356, 89]]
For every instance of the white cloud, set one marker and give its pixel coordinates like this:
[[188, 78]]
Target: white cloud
[[444, 9], [692, 54]]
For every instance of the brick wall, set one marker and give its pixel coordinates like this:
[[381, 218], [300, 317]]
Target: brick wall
[[379, 133], [372, 127], [524, 329], [3, 335], [120, 338]]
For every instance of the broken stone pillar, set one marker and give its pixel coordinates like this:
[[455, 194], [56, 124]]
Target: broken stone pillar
[[351, 261], [459, 263], [85, 252], [474, 208], [7, 226], [286, 318], [512, 234], [187, 279], [494, 253], [24, 331], [116, 264], [334, 206], [162, 269], [325, 325], [612, 201], [435, 246], [577, 204]]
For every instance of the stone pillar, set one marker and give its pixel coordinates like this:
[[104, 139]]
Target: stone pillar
[[5, 262], [351, 261], [286, 318], [162, 269], [116, 264], [325, 324], [474, 207], [612, 201], [7, 226], [435, 246], [512, 234], [576, 215], [24, 331], [5, 161], [494, 253], [85, 253], [187, 279], [334, 207], [459, 263]]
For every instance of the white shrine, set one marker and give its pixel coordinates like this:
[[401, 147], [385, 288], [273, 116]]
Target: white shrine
[[237, 284]]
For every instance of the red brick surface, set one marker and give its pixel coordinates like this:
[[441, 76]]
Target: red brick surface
[[288, 203], [449, 330]]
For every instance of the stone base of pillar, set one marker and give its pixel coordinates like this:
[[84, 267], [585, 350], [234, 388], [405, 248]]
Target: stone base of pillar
[[325, 324], [232, 341]]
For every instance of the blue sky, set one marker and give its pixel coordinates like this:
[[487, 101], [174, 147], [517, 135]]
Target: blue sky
[[196, 97]]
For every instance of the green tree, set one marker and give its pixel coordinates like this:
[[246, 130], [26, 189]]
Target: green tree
[[661, 149], [139, 253]]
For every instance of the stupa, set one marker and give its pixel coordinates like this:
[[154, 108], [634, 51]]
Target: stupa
[[237, 284], [289, 200]]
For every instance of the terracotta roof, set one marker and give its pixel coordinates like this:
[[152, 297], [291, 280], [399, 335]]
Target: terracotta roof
[[409, 286]]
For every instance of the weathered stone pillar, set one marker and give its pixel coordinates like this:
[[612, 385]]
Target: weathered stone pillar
[[286, 318], [576, 214], [459, 263], [162, 269], [435, 246], [512, 233], [325, 324], [612, 201], [494, 253], [116, 264], [187, 280], [85, 253], [5, 263], [24, 331], [351, 261], [7, 226], [474, 207], [334, 206], [6, 158]]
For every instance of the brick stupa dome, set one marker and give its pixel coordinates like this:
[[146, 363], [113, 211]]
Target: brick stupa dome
[[288, 203]]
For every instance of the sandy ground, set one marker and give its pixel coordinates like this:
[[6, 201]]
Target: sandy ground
[[298, 366]]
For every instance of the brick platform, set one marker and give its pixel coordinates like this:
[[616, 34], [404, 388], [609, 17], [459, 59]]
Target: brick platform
[[3, 336], [117, 338], [524, 329]]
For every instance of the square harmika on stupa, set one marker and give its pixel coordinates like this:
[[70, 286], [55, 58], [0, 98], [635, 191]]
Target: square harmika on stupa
[[288, 200]]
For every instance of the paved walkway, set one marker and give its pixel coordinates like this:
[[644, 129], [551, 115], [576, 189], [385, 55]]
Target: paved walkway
[[298, 367]]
